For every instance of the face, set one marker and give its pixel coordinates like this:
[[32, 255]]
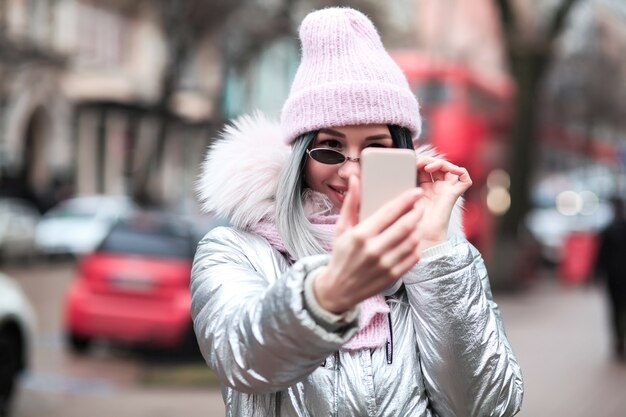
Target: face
[[332, 180]]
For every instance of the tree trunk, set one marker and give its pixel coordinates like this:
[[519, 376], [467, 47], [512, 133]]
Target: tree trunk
[[510, 260], [512, 243]]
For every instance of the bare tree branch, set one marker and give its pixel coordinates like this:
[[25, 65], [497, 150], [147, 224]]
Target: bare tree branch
[[559, 19], [507, 18]]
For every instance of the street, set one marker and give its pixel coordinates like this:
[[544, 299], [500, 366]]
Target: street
[[559, 334], [108, 380]]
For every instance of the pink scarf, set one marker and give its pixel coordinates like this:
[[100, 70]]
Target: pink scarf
[[373, 321]]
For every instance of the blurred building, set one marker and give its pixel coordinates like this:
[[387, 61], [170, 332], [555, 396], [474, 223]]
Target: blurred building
[[260, 56], [34, 115], [584, 122], [462, 31], [264, 83], [94, 97], [82, 108]]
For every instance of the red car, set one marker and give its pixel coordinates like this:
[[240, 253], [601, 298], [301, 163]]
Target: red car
[[134, 288]]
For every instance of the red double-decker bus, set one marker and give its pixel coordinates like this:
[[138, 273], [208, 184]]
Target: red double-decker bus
[[466, 118]]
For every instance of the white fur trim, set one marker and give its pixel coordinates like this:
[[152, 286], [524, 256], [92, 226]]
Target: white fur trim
[[241, 170]]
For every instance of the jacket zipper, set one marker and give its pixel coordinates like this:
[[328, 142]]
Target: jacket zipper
[[336, 406], [389, 345]]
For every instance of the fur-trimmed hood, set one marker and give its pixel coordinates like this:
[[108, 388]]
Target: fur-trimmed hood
[[240, 173]]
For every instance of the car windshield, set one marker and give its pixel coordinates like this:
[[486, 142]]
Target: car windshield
[[149, 237], [79, 209], [433, 93], [72, 213], [7, 208], [88, 208]]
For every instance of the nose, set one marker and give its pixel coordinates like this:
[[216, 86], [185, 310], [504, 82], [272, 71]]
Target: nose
[[351, 167]]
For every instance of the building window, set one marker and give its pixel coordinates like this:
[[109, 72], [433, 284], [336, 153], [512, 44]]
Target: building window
[[100, 36]]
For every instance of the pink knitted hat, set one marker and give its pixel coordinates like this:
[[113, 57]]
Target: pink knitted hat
[[346, 77]]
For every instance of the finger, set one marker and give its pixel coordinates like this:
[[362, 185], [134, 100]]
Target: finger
[[422, 161], [424, 177], [348, 216], [461, 182], [441, 170], [451, 178], [398, 232], [393, 265], [431, 164], [405, 264], [394, 256], [464, 177], [442, 165], [400, 260], [429, 169], [389, 213]]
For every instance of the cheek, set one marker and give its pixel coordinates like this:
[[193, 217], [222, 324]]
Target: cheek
[[315, 173]]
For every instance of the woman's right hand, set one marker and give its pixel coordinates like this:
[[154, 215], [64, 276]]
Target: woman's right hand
[[371, 255]]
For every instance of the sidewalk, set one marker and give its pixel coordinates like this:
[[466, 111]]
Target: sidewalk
[[560, 336]]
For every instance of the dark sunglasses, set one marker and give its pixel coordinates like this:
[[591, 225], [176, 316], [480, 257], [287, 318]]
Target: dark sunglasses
[[329, 156]]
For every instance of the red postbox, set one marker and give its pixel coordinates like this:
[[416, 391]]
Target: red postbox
[[578, 257]]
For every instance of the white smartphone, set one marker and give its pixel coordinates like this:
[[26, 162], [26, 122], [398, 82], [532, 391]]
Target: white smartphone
[[385, 174]]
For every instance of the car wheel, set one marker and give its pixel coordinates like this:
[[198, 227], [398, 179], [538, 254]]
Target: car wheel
[[78, 344], [10, 360], [189, 348]]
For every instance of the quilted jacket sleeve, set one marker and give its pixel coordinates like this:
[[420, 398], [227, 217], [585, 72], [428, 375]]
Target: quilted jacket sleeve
[[249, 318], [468, 365]]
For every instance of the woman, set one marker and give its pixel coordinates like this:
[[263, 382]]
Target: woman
[[300, 308]]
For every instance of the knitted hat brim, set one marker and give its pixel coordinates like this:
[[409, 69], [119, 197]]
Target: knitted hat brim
[[369, 103]]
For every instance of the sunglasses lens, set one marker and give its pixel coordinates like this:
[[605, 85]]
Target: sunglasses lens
[[327, 156]]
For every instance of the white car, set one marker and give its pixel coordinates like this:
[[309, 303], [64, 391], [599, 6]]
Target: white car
[[76, 226], [17, 328], [551, 228], [570, 202], [18, 221]]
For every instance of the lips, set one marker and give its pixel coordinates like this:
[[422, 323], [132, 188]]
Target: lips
[[339, 191]]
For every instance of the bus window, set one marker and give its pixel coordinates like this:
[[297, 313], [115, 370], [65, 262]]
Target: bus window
[[433, 93], [480, 101]]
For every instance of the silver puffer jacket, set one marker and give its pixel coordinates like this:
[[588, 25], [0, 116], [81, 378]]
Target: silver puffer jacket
[[449, 354], [449, 357]]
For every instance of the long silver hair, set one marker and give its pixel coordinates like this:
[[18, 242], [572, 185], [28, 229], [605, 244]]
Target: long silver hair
[[299, 236]]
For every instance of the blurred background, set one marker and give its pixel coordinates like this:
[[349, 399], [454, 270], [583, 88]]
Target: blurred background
[[106, 111]]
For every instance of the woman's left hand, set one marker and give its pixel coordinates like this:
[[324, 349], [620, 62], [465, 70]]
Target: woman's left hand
[[443, 183]]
